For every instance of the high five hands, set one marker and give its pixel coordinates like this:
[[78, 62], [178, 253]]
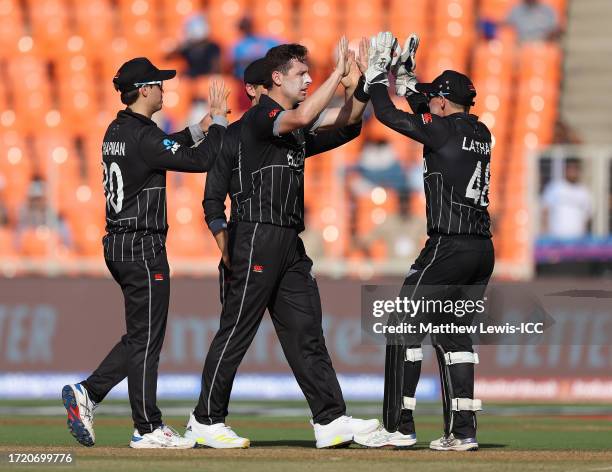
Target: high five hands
[[384, 56]]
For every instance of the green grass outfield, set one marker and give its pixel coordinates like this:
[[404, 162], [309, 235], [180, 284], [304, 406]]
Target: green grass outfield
[[520, 437]]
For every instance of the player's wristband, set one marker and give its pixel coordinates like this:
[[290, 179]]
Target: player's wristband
[[196, 133], [217, 225], [360, 94], [220, 120]]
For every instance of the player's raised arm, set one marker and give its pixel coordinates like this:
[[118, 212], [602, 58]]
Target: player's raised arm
[[355, 98], [308, 110], [426, 128], [160, 151]]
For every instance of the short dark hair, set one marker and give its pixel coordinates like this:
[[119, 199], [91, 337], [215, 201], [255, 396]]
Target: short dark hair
[[129, 98], [279, 57]]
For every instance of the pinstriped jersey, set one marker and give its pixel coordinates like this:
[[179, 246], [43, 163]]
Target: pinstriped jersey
[[456, 165], [271, 166], [135, 156]]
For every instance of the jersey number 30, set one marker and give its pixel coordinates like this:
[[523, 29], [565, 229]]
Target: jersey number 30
[[114, 197], [475, 190]]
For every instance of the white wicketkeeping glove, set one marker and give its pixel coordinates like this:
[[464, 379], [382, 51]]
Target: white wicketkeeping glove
[[384, 53], [405, 79]]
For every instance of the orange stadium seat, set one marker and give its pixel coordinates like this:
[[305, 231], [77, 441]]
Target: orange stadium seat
[[173, 14], [50, 24], [445, 53], [55, 156], [95, 35], [16, 165], [139, 24], [493, 71], [364, 18], [38, 242], [319, 28], [454, 19], [414, 17], [7, 242], [77, 85], [498, 10], [29, 81], [86, 220], [274, 18], [11, 26], [223, 16]]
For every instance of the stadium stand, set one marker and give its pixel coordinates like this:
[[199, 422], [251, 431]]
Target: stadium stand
[[56, 99]]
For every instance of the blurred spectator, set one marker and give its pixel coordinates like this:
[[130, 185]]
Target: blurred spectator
[[401, 235], [249, 48], [378, 166], [534, 21], [201, 54], [37, 213], [565, 134], [567, 205], [4, 214]]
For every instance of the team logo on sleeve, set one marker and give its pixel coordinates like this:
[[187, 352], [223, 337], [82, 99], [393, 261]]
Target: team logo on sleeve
[[274, 112], [170, 145], [426, 117]]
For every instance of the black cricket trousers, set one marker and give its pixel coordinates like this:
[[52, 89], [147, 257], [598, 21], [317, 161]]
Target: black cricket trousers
[[146, 291], [464, 261], [270, 269]]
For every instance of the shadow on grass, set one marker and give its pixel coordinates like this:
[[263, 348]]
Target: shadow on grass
[[491, 446], [285, 443], [311, 445]]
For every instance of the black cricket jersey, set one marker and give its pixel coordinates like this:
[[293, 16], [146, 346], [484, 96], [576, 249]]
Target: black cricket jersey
[[456, 164], [263, 171], [135, 156]]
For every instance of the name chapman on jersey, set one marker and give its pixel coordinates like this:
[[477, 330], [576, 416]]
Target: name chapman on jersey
[[113, 148], [476, 146]]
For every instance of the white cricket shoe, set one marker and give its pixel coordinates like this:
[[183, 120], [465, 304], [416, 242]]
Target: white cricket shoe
[[341, 431], [218, 436], [383, 438], [450, 443], [162, 437], [80, 411]]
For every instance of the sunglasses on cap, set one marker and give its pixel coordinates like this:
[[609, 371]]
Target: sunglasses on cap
[[154, 82], [437, 94]]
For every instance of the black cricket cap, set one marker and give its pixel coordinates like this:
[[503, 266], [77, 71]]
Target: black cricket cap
[[138, 71], [257, 72], [453, 85]]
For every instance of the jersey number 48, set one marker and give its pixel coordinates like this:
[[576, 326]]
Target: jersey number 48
[[475, 190]]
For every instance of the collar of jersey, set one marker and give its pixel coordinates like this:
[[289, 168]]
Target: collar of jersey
[[138, 116], [268, 102], [460, 114]]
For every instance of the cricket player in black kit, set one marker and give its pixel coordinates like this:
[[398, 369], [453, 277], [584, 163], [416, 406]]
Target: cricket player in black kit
[[136, 155], [458, 252], [268, 266], [223, 179]]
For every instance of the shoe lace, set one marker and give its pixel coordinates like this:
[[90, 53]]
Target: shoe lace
[[88, 410], [380, 433], [227, 430], [169, 429]]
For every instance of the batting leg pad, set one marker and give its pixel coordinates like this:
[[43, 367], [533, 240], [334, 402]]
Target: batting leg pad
[[402, 372], [457, 386]]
